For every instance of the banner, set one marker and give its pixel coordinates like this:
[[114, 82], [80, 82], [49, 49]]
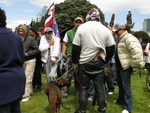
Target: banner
[[51, 22]]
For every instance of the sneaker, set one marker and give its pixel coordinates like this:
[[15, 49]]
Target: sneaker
[[125, 111], [25, 99], [90, 99], [110, 93], [65, 95]]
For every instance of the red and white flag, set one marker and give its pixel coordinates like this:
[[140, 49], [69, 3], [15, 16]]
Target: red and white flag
[[50, 20]]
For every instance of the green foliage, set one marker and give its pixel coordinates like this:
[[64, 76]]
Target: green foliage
[[143, 35], [66, 12], [141, 103]]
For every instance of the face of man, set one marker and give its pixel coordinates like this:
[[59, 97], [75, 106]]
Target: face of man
[[119, 32], [77, 23], [48, 34]]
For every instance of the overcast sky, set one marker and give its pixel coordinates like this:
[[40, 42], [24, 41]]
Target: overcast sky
[[23, 11]]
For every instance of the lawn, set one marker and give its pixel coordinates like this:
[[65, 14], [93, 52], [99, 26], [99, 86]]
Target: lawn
[[141, 99]]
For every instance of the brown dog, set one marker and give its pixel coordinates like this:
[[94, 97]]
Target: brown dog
[[53, 92]]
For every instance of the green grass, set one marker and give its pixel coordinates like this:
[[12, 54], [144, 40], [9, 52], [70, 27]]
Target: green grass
[[141, 99]]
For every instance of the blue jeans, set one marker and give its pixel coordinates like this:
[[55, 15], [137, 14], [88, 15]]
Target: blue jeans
[[125, 93], [12, 107], [109, 81], [91, 90], [93, 70]]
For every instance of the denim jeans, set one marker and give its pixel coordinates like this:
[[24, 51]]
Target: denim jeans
[[93, 70], [91, 90], [12, 107], [109, 81], [125, 93]]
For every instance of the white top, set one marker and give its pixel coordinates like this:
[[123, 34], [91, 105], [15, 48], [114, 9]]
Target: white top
[[66, 38], [55, 49], [92, 36], [147, 51]]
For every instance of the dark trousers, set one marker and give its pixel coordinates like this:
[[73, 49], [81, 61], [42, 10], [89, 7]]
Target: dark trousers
[[12, 107], [37, 74], [71, 72], [109, 81], [125, 94], [93, 70]]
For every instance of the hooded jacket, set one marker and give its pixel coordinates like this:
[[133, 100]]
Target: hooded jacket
[[29, 43]]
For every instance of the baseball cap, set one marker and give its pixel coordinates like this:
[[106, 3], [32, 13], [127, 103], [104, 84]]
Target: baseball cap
[[79, 18], [93, 15], [47, 29], [118, 26]]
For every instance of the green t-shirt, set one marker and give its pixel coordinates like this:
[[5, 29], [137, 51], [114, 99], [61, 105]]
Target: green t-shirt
[[70, 34]]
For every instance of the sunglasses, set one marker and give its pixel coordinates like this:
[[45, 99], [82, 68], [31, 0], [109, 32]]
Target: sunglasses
[[49, 32]]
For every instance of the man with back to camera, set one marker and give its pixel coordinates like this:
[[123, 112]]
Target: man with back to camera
[[12, 76], [91, 45]]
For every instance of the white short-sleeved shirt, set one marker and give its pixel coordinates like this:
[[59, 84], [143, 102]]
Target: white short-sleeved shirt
[[66, 38], [92, 36]]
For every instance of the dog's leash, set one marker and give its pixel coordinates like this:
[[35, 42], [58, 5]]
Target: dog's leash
[[66, 72]]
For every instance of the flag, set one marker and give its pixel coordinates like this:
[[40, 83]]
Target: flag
[[50, 20], [55, 29]]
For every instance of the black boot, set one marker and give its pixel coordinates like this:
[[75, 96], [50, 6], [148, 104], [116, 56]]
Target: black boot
[[38, 88], [79, 111]]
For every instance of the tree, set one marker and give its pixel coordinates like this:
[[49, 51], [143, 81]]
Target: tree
[[142, 34], [66, 12], [42, 15]]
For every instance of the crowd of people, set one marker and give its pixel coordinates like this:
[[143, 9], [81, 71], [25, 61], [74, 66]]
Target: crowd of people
[[86, 49]]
